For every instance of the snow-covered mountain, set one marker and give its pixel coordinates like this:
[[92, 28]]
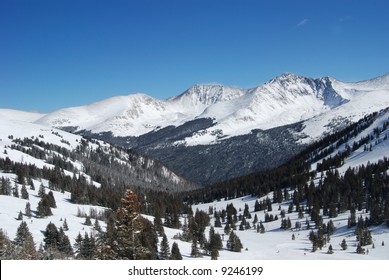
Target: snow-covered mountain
[[283, 100], [206, 121]]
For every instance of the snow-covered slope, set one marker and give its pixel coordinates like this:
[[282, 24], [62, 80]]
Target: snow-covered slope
[[283, 100]]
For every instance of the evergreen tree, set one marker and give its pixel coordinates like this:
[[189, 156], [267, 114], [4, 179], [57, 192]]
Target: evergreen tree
[[255, 221], [97, 226], [158, 224], [330, 250], [27, 210], [65, 225], [128, 227], [26, 243], [261, 227], [51, 200], [88, 221], [88, 247], [20, 216], [41, 191], [360, 250], [43, 209], [214, 254], [186, 236], [78, 246], [164, 253], [24, 192], [15, 191], [64, 245], [343, 245], [218, 223], [234, 244], [195, 253], [176, 254]]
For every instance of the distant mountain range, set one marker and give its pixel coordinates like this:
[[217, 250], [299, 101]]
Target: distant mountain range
[[211, 133]]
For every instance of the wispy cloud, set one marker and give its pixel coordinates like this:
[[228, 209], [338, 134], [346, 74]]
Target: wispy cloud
[[345, 18], [302, 22]]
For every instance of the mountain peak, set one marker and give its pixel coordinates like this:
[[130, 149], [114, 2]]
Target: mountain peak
[[207, 94]]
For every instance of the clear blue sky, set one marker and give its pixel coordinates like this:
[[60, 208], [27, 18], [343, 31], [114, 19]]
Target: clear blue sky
[[61, 53]]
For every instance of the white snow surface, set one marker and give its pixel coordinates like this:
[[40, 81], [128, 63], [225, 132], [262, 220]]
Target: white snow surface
[[11, 206], [283, 100]]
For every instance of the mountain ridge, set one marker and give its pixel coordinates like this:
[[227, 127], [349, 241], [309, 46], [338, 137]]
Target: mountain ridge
[[215, 132], [137, 114]]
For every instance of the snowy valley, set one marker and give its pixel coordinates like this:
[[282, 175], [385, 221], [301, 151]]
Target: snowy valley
[[328, 199]]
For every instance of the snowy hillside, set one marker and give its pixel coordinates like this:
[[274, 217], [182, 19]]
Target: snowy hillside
[[365, 143], [75, 214], [12, 130]]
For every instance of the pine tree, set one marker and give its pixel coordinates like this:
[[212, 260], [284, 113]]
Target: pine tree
[[15, 191], [261, 227], [234, 244], [88, 221], [185, 236], [176, 254], [65, 225], [78, 246], [51, 200], [21, 234], [24, 192], [26, 243], [97, 226], [343, 245], [158, 225], [128, 226], [51, 237], [41, 191], [195, 250], [64, 245], [360, 250], [164, 253], [330, 250], [217, 223], [214, 254], [27, 210], [20, 216], [43, 208]]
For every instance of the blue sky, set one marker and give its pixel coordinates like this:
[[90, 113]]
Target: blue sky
[[61, 53]]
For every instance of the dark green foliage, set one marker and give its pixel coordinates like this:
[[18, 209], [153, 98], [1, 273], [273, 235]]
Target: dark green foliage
[[343, 245], [158, 224], [234, 244], [41, 191], [195, 252], [5, 185], [97, 226], [24, 192], [15, 191], [51, 200], [25, 242], [27, 210], [197, 226], [360, 250], [20, 216], [65, 225], [88, 221], [164, 253], [175, 254], [51, 237], [43, 209]]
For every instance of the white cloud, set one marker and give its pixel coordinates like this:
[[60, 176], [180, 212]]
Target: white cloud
[[302, 22]]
